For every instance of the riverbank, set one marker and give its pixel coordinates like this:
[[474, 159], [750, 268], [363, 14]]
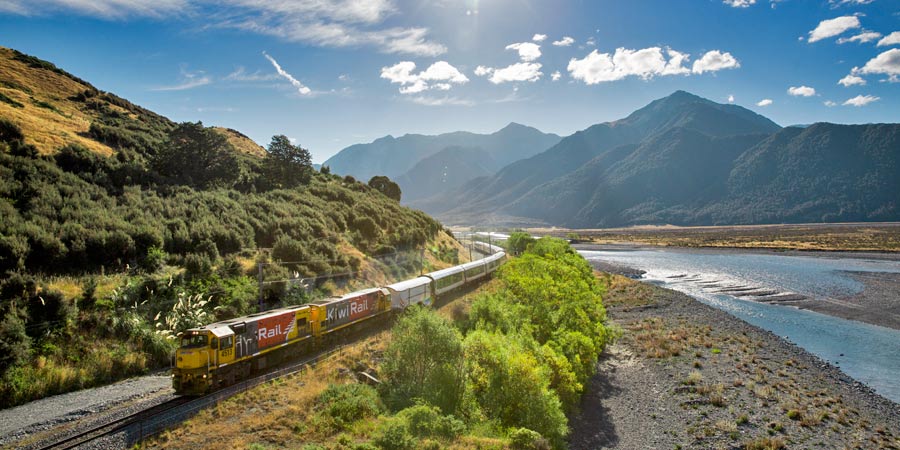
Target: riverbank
[[686, 375], [878, 303]]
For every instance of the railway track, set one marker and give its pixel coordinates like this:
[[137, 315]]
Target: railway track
[[134, 428]]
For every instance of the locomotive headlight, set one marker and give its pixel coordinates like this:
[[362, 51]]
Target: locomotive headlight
[[204, 376]]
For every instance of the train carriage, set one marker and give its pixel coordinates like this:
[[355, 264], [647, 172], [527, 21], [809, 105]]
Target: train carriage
[[416, 291], [336, 313], [447, 280], [474, 270]]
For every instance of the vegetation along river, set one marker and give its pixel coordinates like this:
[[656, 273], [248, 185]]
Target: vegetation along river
[[724, 278]]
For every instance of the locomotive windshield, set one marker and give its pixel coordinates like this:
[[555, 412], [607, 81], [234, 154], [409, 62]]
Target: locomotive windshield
[[193, 341]]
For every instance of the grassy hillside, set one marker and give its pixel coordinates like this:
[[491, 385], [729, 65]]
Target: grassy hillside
[[120, 228]]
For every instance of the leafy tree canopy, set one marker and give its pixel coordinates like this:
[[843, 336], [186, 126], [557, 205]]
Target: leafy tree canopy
[[387, 187]]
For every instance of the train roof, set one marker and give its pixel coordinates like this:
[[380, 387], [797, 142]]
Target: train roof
[[409, 284], [476, 263], [445, 272]]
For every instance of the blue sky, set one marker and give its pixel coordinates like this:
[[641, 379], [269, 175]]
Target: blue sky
[[346, 67]]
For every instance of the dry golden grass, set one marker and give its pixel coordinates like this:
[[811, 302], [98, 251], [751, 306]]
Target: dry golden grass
[[624, 291], [241, 143], [46, 129]]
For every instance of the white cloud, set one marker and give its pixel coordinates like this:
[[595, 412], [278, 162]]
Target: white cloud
[[891, 39], [887, 63], [528, 51], [303, 90], [836, 3], [801, 91], [523, 71], [564, 42], [765, 102], [440, 75], [103, 9], [830, 103], [715, 60], [240, 74], [590, 42], [861, 100], [539, 37], [189, 80], [852, 80], [862, 38], [833, 27], [555, 76], [739, 3], [645, 63], [731, 99], [441, 101]]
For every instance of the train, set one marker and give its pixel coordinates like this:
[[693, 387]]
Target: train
[[225, 352]]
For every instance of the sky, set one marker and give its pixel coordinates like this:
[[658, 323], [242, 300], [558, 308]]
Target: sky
[[332, 73]]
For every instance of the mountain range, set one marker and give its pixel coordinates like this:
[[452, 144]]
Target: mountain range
[[398, 158], [686, 160]]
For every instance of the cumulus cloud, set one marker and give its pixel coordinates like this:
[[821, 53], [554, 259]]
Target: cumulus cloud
[[833, 27], [440, 75], [645, 63], [555, 76], [564, 42], [861, 100], [189, 80], [539, 37], [303, 90], [440, 101], [829, 103], [891, 39], [887, 63], [852, 80], [713, 61], [731, 99], [862, 38], [523, 71], [739, 3], [765, 102], [801, 91], [528, 51]]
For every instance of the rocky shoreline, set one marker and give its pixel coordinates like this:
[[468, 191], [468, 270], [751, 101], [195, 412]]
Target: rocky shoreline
[[687, 375]]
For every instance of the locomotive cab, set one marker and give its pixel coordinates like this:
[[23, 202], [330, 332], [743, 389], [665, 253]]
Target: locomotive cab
[[200, 353]]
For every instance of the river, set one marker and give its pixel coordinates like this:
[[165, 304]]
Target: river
[[868, 353]]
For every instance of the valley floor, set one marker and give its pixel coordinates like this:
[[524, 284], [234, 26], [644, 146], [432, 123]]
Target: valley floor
[[685, 375]]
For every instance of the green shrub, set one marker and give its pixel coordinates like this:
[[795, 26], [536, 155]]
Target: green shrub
[[525, 439], [9, 131], [394, 435], [155, 260], [347, 403], [426, 421], [424, 360], [15, 345]]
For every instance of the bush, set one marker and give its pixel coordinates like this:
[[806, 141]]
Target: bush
[[518, 242], [155, 260], [394, 435], [347, 403], [426, 421], [9, 131], [424, 360], [15, 345], [525, 439]]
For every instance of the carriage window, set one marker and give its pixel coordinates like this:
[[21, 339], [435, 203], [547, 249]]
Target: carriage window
[[301, 324]]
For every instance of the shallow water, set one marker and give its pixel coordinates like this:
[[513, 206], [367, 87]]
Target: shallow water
[[868, 353]]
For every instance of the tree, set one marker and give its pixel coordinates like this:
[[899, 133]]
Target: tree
[[387, 187], [518, 242], [198, 156], [425, 360], [287, 165]]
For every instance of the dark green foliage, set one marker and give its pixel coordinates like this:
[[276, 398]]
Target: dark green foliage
[[424, 361], [15, 345], [155, 259], [47, 310], [325, 170], [9, 131], [347, 403], [199, 157], [287, 165], [88, 293], [387, 187], [9, 101]]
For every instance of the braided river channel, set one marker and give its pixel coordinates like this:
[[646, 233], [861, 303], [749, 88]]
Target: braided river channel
[[867, 353]]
